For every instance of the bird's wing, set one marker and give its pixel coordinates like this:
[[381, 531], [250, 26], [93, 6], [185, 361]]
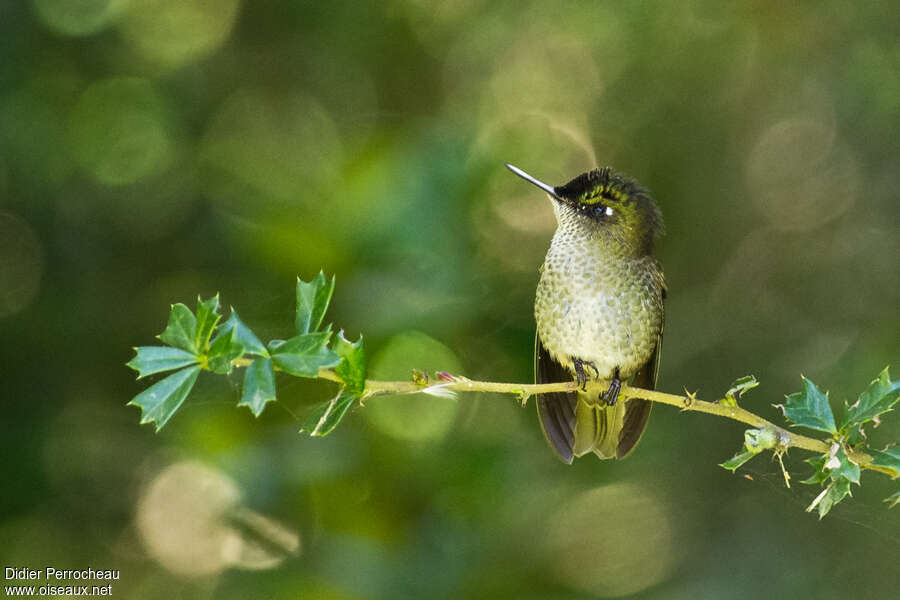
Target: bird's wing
[[638, 411], [556, 410]]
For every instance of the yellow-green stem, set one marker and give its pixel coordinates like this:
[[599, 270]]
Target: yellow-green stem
[[687, 402]]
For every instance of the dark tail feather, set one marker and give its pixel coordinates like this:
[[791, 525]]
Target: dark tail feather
[[557, 428], [636, 416], [638, 411], [557, 410]]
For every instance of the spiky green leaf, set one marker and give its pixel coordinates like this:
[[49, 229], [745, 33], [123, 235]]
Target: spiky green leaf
[[738, 388], [156, 359], [207, 317], [242, 335], [160, 401], [303, 355], [844, 467], [181, 331], [223, 351], [259, 385], [893, 500], [854, 434], [312, 302], [878, 398], [352, 369], [820, 475], [738, 459], [836, 491], [327, 416], [809, 408], [889, 458]]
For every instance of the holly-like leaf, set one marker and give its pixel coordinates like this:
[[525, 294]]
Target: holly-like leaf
[[836, 491], [893, 500], [845, 468], [352, 369], [878, 398], [242, 335], [207, 317], [312, 302], [738, 459], [259, 385], [738, 388], [889, 458], [809, 408], [854, 435], [223, 352], [303, 355], [181, 331], [160, 401], [820, 475], [327, 416], [156, 359]]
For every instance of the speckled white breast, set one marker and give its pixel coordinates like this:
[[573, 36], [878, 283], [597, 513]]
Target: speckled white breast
[[602, 308]]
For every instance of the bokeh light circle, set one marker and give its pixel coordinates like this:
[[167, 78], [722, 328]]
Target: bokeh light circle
[[415, 417], [119, 131], [175, 32], [191, 521], [800, 176], [612, 541], [270, 148], [179, 517], [81, 18]]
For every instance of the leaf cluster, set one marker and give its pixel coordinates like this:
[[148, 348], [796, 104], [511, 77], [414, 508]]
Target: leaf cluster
[[835, 470], [196, 341]]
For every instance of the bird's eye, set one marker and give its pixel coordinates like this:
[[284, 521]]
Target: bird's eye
[[601, 211]]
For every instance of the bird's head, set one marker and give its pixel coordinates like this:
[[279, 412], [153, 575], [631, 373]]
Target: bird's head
[[605, 204]]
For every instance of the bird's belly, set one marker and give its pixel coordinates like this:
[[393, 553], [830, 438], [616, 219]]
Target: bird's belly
[[612, 327]]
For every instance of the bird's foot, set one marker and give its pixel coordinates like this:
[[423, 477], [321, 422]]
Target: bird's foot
[[611, 396], [580, 376]]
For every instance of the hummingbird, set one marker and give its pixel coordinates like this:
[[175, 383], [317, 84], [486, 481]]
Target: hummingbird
[[599, 312]]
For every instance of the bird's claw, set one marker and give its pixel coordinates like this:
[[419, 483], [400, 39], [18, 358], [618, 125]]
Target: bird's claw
[[611, 396], [580, 376]]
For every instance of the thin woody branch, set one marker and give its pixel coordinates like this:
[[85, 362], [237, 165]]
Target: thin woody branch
[[197, 341], [688, 402]]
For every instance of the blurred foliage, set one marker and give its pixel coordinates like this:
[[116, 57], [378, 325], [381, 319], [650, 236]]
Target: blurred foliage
[[151, 150]]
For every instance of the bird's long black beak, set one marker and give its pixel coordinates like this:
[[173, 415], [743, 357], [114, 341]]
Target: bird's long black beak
[[547, 188]]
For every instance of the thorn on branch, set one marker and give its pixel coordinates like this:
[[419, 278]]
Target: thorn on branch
[[689, 399]]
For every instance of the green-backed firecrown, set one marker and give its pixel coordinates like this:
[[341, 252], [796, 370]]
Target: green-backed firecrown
[[599, 312]]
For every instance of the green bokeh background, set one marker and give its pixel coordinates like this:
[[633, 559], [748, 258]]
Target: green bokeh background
[[154, 150]]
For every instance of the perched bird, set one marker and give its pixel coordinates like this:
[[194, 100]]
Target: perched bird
[[599, 312]]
